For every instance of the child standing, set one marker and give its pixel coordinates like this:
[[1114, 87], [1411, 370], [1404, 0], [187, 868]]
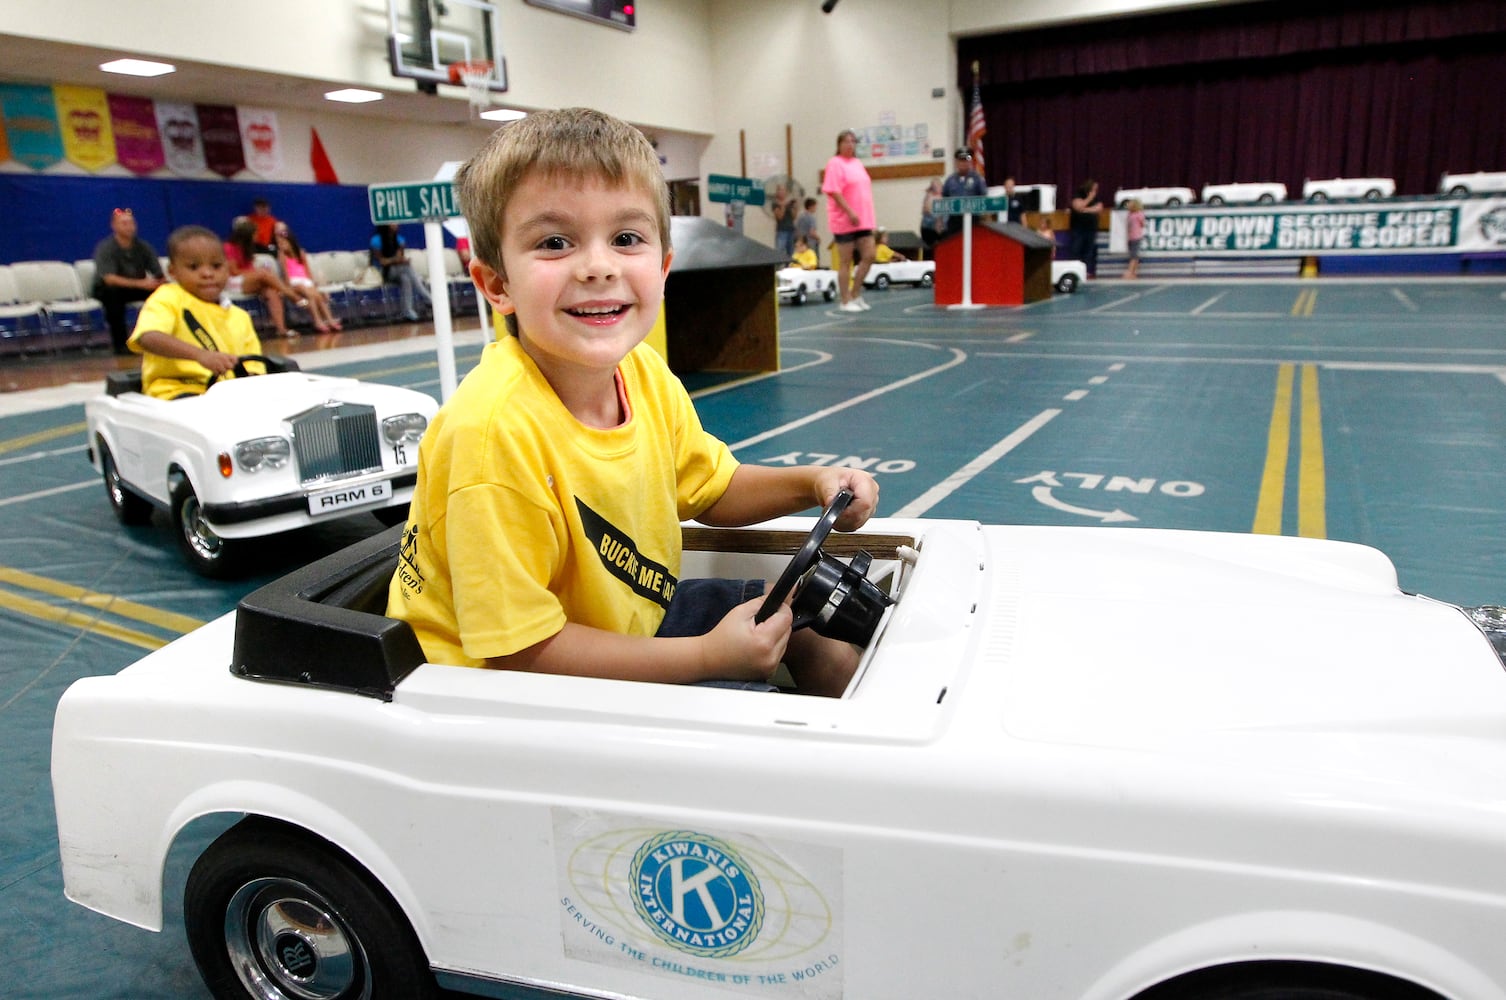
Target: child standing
[[184, 335], [571, 451], [1134, 233]]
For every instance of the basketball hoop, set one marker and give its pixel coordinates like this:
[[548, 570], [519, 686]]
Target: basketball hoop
[[476, 76]]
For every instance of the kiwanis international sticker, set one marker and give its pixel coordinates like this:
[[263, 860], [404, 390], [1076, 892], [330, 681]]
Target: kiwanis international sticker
[[697, 894], [723, 908]]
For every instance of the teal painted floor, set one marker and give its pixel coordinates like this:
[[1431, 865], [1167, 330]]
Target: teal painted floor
[[1369, 411]]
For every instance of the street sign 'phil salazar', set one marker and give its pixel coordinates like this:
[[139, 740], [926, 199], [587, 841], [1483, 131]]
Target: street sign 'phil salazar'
[[418, 201]]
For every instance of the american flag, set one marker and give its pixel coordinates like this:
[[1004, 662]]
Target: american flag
[[977, 128]]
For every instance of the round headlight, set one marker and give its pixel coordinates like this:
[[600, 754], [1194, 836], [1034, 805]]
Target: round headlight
[[404, 427], [271, 452]]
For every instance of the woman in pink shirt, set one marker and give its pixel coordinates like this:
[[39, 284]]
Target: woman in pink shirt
[[295, 264], [849, 208]]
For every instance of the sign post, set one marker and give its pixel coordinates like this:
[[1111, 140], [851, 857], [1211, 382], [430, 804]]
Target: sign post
[[429, 202], [736, 192], [967, 208]]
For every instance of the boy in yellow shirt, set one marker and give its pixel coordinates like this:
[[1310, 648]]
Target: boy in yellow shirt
[[544, 533], [185, 336]]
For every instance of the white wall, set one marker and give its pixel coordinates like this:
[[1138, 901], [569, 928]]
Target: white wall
[[697, 74]]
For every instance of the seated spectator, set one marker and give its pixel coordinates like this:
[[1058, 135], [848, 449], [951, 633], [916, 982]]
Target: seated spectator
[[295, 267], [126, 270], [248, 279], [883, 253], [266, 226], [389, 251], [185, 336], [804, 256]]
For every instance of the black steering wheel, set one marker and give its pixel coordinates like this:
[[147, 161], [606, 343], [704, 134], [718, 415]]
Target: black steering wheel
[[271, 365], [835, 599]]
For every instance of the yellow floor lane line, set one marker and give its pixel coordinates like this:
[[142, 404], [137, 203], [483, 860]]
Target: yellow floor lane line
[[1278, 444], [1312, 506], [51, 434], [166, 620], [88, 621]]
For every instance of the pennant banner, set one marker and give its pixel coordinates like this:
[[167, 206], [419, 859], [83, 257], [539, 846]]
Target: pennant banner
[[324, 170], [31, 124], [84, 118], [138, 143], [260, 141], [182, 145], [221, 133]]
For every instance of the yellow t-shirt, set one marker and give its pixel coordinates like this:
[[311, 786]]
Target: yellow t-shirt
[[524, 519], [173, 311], [805, 258], [883, 254]]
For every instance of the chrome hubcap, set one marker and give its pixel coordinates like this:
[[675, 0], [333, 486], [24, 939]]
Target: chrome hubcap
[[286, 943]]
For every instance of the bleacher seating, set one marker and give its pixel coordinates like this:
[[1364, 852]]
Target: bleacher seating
[[73, 319], [23, 325], [47, 306]]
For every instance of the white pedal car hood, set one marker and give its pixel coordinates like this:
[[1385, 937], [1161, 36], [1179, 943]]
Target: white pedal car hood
[[1146, 638]]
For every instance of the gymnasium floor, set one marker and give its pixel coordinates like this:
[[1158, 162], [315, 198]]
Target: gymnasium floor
[[1369, 411]]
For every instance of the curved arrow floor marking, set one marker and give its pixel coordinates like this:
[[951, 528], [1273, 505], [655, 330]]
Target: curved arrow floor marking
[[1044, 495]]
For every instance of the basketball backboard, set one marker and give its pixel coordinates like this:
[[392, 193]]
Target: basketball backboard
[[431, 40]]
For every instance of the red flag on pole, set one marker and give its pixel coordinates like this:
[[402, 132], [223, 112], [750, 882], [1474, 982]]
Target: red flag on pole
[[324, 171], [977, 128]]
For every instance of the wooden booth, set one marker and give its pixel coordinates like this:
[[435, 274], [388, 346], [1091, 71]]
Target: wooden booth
[[721, 301], [1011, 266]]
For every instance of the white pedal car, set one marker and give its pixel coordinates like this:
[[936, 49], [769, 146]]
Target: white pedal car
[[1480, 182], [1155, 197], [1259, 192], [1368, 188], [1074, 764], [254, 456], [799, 284], [1068, 275], [901, 272]]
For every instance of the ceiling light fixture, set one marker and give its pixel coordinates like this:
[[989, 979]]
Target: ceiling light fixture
[[138, 67], [503, 115], [353, 95]]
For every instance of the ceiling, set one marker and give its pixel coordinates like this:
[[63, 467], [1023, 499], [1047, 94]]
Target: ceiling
[[38, 61]]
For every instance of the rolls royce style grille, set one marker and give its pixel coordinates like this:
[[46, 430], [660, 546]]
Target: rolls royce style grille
[[336, 439]]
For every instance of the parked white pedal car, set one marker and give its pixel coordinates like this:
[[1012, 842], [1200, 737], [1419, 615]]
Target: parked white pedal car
[[1259, 192], [1480, 182], [1368, 188], [1155, 197], [253, 456], [1068, 275], [1074, 763]]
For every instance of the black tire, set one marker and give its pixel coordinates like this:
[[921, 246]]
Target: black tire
[[1278, 980], [1217, 199], [1267, 199], [1066, 284], [829, 293], [1173, 202], [801, 295], [1458, 191], [130, 508], [1317, 196], [881, 282], [275, 914], [208, 553], [928, 279], [1373, 195]]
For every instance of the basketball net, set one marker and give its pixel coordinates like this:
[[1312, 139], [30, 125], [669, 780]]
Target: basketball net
[[476, 77]]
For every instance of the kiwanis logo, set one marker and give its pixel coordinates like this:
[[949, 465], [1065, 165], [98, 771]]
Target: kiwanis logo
[[1493, 226], [697, 894]]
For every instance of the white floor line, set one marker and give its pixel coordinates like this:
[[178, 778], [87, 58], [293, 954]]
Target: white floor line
[[54, 491], [958, 357], [964, 475]]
